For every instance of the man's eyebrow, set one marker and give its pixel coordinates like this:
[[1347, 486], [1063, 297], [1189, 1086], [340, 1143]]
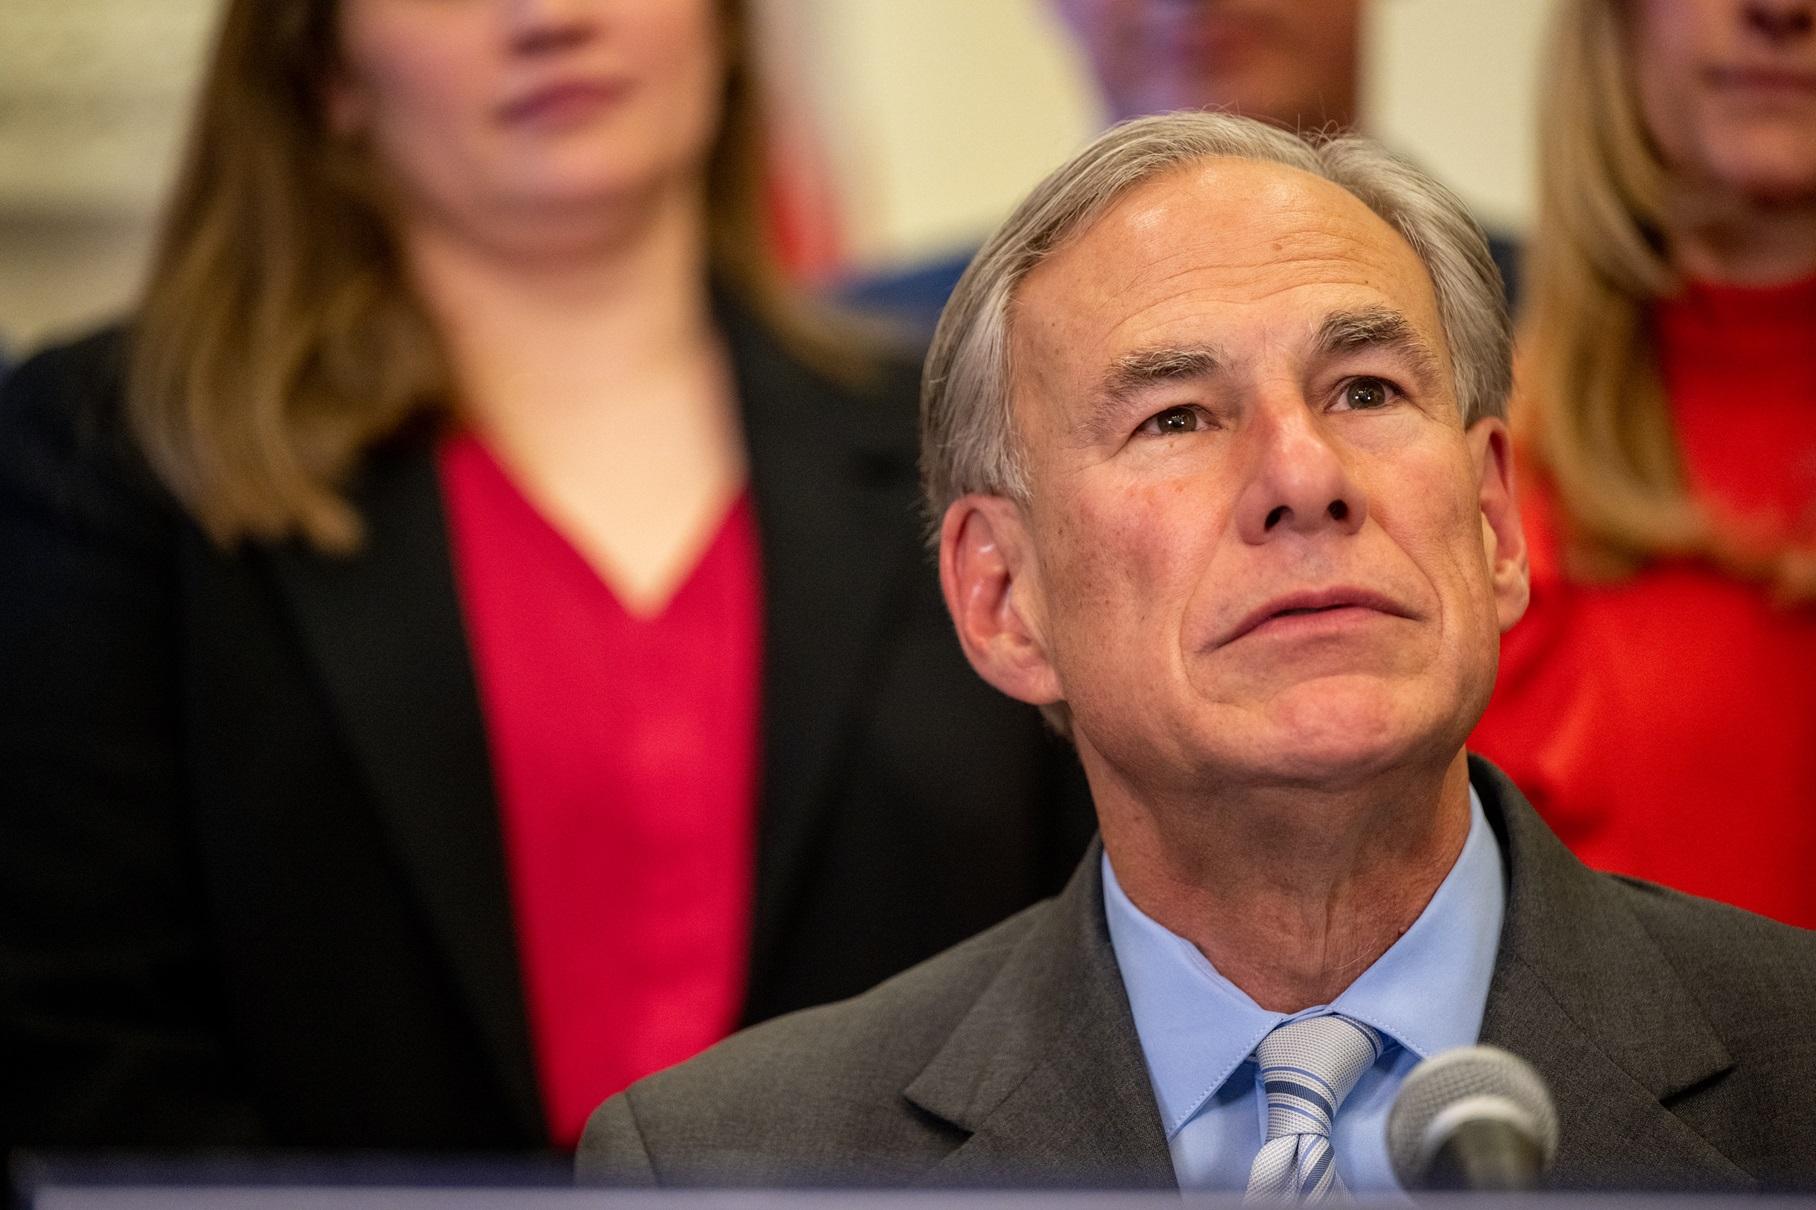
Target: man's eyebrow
[[1137, 371], [1384, 329]]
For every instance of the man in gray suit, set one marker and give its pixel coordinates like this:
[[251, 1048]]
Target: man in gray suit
[[1214, 428]]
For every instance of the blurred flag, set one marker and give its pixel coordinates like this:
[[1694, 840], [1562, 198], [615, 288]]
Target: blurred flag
[[801, 194]]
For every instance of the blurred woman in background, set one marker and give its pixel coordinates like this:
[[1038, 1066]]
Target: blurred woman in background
[[1659, 700], [468, 645]]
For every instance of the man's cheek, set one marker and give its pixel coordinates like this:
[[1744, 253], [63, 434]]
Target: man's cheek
[[1112, 549]]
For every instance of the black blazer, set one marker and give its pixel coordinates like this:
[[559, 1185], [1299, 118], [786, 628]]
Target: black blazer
[[251, 877]]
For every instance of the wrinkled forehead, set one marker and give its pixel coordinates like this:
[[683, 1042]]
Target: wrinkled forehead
[[1221, 250]]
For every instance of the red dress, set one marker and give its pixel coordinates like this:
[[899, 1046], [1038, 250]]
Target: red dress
[[624, 757], [1665, 725]]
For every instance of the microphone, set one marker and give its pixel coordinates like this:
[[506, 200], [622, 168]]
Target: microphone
[[1476, 1118]]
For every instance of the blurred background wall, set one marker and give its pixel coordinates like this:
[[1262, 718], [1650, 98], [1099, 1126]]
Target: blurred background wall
[[916, 122], [92, 94]]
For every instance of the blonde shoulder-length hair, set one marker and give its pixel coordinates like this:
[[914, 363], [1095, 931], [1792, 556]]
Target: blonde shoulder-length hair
[[1591, 404], [276, 342]]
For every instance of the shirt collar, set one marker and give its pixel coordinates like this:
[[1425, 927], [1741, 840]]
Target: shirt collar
[[1427, 992]]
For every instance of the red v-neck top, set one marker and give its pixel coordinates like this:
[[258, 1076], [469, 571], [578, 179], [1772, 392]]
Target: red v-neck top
[[1665, 724], [624, 756]]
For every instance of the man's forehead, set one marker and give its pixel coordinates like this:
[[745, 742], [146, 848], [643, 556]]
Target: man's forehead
[[1224, 237]]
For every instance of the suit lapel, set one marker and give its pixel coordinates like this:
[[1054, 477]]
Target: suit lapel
[[833, 481], [1045, 1071], [385, 632], [1582, 992]]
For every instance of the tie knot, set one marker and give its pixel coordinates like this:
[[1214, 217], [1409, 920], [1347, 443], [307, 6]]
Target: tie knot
[[1308, 1066]]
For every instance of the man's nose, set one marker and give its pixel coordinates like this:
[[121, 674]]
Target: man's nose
[[1299, 482]]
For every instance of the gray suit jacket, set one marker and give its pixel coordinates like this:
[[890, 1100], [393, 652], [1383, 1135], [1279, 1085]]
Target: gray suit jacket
[[1678, 1037]]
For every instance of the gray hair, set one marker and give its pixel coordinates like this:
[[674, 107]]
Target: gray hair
[[968, 441]]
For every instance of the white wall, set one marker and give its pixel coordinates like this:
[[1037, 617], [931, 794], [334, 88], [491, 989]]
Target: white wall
[[92, 94], [939, 114], [1454, 83]]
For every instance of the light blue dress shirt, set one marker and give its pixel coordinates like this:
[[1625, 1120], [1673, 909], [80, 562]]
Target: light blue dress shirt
[[1199, 1031]]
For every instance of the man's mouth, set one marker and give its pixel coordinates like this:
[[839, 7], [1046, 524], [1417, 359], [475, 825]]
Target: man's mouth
[[1337, 603]]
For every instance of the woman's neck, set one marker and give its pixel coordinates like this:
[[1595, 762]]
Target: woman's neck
[[606, 310], [1722, 237], [597, 377]]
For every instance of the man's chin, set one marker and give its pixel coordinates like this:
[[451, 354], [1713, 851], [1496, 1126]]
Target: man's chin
[[1333, 768], [1341, 733]]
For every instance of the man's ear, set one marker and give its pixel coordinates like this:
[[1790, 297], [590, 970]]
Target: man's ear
[[1503, 540], [992, 587]]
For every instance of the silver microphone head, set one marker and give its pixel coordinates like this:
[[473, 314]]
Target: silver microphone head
[[1471, 1083]]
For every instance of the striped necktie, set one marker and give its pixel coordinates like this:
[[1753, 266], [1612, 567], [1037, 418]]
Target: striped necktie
[[1307, 1067]]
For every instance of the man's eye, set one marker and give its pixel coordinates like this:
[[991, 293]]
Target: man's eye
[[1173, 420], [1360, 394]]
